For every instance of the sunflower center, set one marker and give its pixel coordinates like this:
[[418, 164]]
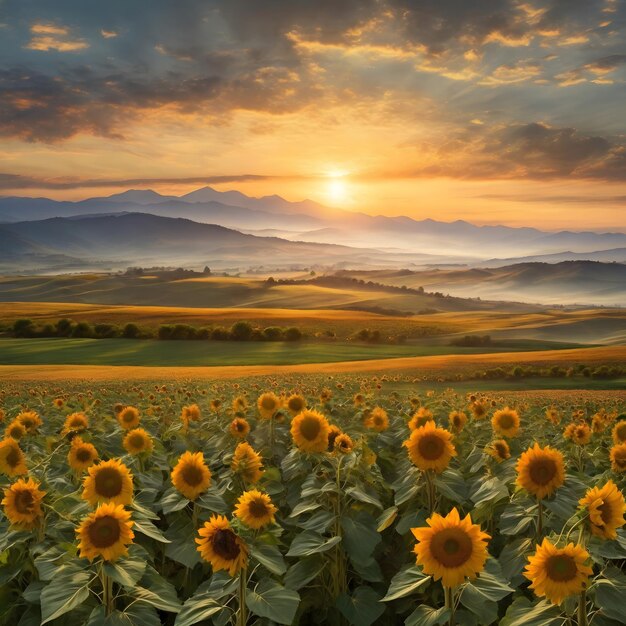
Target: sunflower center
[[225, 544], [310, 428], [542, 471], [104, 531], [605, 512], [620, 431], [620, 459], [506, 421], [268, 404], [16, 431], [239, 427], [257, 508], [24, 502], [431, 447], [108, 482], [192, 475], [500, 449], [128, 417], [83, 455], [451, 547], [77, 423], [13, 457], [136, 441], [296, 404], [561, 568]]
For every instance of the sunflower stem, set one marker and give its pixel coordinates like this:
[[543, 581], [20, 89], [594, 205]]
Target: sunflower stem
[[449, 598], [582, 609], [539, 519], [430, 491], [242, 617], [107, 591]]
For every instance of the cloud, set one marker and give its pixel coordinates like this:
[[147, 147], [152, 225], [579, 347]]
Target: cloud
[[47, 37]]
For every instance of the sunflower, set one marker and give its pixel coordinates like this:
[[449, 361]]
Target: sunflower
[[22, 503], [221, 546], [377, 420], [499, 450], [333, 433], [540, 471], [343, 444], [190, 413], [247, 463], [358, 399], [296, 404], [216, 405], [619, 432], [479, 409], [81, 455], [268, 404], [450, 548], [58, 402], [505, 422], [420, 418], [553, 415], [240, 404], [128, 417], [191, 476], [137, 441], [239, 428], [12, 460], [16, 430], [457, 421], [255, 509], [76, 422], [578, 432], [106, 532], [606, 508], [30, 420], [618, 458], [430, 448], [109, 481], [309, 431], [556, 573]]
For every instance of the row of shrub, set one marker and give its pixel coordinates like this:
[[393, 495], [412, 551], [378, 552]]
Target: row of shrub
[[602, 372], [239, 331]]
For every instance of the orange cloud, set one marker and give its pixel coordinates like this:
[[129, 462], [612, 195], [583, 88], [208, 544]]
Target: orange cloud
[[53, 37]]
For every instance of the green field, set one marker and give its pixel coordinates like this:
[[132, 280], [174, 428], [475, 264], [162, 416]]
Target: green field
[[197, 353]]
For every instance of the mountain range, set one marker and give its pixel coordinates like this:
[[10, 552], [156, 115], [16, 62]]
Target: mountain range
[[308, 221]]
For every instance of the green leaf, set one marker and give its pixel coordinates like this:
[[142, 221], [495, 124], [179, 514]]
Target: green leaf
[[157, 592], [481, 595], [134, 615], [309, 543], [173, 500], [386, 518], [610, 594], [452, 485], [126, 571], [360, 537], [48, 563], [318, 522], [490, 490], [304, 507], [362, 608], [65, 592], [405, 582], [523, 612], [196, 609], [182, 548], [514, 520], [270, 557], [212, 501], [425, 615], [146, 527], [303, 571], [358, 493], [274, 602]]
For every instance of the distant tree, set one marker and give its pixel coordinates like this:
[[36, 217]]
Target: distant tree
[[64, 327], [131, 331], [207, 270], [293, 334], [219, 333], [241, 331], [23, 328], [106, 331], [273, 333], [82, 330]]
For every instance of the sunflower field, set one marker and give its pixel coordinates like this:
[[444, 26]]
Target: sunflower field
[[310, 500]]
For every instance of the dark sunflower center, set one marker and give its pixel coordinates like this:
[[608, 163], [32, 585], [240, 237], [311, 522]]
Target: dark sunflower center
[[542, 471], [192, 475], [620, 431], [24, 502], [561, 568], [620, 460], [77, 423], [104, 531], [257, 508], [451, 547], [239, 427], [137, 441], [310, 428], [27, 422], [378, 420], [431, 447], [225, 544], [128, 417], [332, 435], [16, 431], [108, 482], [83, 455], [501, 450], [296, 404], [13, 457], [605, 512], [507, 421], [268, 404]]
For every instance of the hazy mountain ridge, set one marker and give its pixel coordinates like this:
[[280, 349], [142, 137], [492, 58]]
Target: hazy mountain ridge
[[309, 221]]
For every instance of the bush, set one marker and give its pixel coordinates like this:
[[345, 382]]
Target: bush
[[131, 331], [82, 330], [273, 333], [64, 327], [219, 333], [293, 334], [106, 331], [241, 331], [24, 328]]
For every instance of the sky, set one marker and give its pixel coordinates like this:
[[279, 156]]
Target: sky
[[492, 111]]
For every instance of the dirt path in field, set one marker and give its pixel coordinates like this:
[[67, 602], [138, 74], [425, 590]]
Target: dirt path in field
[[414, 365]]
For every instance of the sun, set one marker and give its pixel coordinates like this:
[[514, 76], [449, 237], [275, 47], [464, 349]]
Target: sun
[[337, 187]]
